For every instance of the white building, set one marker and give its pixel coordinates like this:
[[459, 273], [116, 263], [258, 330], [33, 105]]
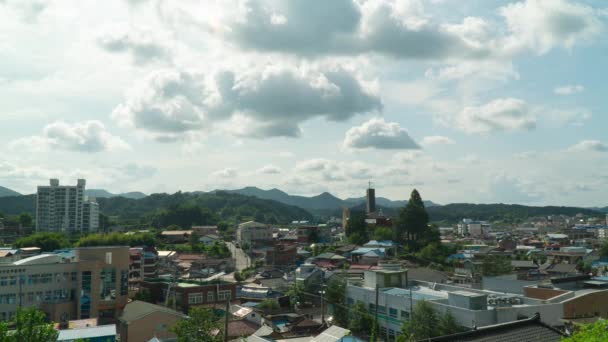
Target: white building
[[470, 308], [65, 208], [253, 233]]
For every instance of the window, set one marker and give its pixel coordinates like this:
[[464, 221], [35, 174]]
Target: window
[[224, 295], [381, 309], [3, 281], [12, 280], [405, 315], [108, 284], [195, 298], [85, 296], [392, 312], [124, 282], [350, 301], [210, 297], [372, 307]]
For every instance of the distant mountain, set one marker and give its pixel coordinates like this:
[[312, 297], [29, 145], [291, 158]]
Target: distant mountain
[[600, 209], [5, 192], [324, 201], [100, 193]]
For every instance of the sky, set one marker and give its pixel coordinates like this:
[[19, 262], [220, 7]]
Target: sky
[[479, 101]]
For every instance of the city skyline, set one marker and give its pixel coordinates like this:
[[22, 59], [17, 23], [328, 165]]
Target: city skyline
[[483, 102]]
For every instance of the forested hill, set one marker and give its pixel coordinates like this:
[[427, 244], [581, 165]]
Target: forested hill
[[179, 208], [503, 212]]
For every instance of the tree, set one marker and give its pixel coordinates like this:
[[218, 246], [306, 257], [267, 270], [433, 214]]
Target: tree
[[360, 320], [356, 229], [143, 295], [596, 332], [269, 305], [412, 223], [47, 242], [495, 265], [238, 276], [447, 324], [336, 297], [295, 293], [198, 327], [383, 233], [26, 220], [422, 324], [604, 249], [29, 325]]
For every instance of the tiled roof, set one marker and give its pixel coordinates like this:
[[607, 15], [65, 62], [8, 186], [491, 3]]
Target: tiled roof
[[526, 330], [139, 309]]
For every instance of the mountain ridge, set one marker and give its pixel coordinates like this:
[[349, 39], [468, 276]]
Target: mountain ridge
[[102, 193], [6, 192]]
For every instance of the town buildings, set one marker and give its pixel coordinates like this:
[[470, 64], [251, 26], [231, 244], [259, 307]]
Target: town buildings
[[65, 208], [88, 282]]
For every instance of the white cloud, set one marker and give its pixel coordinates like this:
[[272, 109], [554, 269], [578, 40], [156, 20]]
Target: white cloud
[[88, 136], [226, 173], [569, 89], [142, 44], [269, 170], [436, 140], [589, 146], [394, 28], [260, 102], [498, 115], [541, 25], [379, 134]]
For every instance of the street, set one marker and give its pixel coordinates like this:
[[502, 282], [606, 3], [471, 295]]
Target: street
[[241, 259]]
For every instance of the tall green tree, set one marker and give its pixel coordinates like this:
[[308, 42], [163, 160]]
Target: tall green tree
[[356, 228], [26, 220], [447, 324], [604, 249], [412, 225], [295, 293], [201, 326], [336, 297], [360, 320], [383, 233], [29, 325], [423, 323]]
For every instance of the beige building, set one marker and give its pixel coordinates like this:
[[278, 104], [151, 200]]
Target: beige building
[[142, 321], [254, 233], [88, 282]]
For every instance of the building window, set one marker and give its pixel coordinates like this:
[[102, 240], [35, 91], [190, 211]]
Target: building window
[[124, 282], [85, 297], [210, 297], [195, 298], [372, 307], [3, 281], [350, 301], [381, 309], [108, 284], [405, 315], [392, 312], [224, 295]]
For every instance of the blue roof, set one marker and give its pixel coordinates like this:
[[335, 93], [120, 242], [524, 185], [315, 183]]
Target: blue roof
[[383, 243], [365, 250]]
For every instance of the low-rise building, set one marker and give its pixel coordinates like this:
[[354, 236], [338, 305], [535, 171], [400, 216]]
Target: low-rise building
[[187, 294], [254, 234], [142, 321], [87, 282], [176, 236]]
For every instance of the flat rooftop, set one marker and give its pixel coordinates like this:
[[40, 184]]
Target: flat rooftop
[[418, 293]]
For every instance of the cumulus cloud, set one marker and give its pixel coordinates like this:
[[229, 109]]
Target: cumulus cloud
[[379, 134], [269, 170], [142, 44], [345, 27], [498, 115], [589, 146], [87, 137], [28, 10], [226, 173], [569, 89], [541, 25], [436, 140], [261, 102]]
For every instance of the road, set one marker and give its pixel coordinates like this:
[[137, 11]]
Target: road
[[241, 259]]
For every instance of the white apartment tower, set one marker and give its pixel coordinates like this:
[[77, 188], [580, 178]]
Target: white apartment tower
[[61, 208]]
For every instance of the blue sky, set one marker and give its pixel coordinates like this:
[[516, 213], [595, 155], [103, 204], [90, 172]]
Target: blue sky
[[476, 101]]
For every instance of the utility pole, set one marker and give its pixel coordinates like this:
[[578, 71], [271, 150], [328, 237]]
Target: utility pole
[[226, 321]]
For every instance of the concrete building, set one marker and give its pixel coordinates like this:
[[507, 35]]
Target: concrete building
[[470, 307], [143, 263], [254, 233], [65, 208], [191, 293], [88, 282]]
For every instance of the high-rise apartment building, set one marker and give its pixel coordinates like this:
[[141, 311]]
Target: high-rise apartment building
[[65, 208]]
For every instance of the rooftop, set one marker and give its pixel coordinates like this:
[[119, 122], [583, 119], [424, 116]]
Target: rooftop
[[86, 333]]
